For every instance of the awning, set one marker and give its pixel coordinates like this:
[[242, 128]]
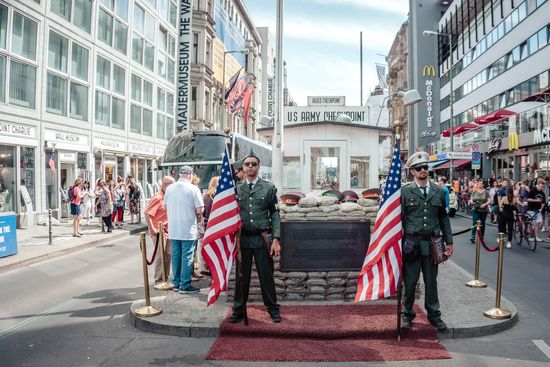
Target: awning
[[493, 116], [433, 164], [457, 163], [460, 129]]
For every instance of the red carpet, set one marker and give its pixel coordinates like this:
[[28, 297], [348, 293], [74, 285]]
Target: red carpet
[[326, 333]]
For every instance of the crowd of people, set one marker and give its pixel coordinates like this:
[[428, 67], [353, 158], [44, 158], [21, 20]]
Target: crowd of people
[[504, 201], [107, 201]]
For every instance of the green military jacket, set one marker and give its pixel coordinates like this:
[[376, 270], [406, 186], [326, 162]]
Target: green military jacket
[[425, 217], [259, 212]]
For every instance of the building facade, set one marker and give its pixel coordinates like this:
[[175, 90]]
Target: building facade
[[87, 88], [500, 67]]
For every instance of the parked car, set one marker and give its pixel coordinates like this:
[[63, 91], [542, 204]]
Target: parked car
[[453, 202]]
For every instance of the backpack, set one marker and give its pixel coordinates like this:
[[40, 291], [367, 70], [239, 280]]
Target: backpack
[[135, 195], [70, 193]]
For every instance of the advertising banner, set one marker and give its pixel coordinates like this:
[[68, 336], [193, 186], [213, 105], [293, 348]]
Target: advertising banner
[[8, 234], [184, 65]]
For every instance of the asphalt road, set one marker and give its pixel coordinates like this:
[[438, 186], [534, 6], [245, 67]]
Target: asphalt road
[[72, 311]]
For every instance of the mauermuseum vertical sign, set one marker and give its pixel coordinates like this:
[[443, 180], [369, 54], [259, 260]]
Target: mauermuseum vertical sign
[[424, 121], [184, 64]]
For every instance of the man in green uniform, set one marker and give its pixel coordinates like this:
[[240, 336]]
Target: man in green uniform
[[424, 216], [259, 213]]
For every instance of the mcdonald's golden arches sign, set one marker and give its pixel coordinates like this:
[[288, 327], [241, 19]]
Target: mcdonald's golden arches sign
[[428, 70]]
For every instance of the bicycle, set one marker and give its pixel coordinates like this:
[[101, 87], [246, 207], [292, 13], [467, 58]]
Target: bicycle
[[525, 227]]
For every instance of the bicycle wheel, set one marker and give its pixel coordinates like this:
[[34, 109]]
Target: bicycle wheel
[[530, 236]]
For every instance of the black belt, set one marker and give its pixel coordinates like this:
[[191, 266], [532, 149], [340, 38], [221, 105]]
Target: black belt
[[246, 232], [422, 236]]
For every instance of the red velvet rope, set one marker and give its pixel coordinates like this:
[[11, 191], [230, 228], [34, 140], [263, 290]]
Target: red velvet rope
[[154, 251], [482, 240]]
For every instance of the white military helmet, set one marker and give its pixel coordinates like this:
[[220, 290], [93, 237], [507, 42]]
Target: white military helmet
[[416, 159]]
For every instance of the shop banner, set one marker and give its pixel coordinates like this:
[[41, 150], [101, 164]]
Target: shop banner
[[28, 206], [8, 234]]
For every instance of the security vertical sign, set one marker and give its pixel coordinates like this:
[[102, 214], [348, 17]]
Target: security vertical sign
[[184, 65], [476, 160]]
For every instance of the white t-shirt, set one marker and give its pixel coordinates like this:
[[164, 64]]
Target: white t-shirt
[[181, 200]]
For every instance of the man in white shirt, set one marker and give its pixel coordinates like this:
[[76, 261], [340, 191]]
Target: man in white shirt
[[183, 202]]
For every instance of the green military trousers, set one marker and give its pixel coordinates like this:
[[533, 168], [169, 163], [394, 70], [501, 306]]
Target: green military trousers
[[411, 273], [264, 266]]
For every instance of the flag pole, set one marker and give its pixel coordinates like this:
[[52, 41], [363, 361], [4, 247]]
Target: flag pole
[[400, 284], [240, 274]]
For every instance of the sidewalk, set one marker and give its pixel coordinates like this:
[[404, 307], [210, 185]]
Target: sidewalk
[[461, 307], [32, 243]]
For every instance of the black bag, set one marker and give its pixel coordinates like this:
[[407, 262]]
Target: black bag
[[70, 193], [437, 247]]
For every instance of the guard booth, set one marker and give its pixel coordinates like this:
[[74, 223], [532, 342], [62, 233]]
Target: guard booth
[[8, 234], [323, 151]]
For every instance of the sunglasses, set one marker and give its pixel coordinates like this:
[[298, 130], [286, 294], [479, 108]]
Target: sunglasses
[[250, 164], [420, 168]]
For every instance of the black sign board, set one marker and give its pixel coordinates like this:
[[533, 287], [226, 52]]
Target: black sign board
[[324, 246]]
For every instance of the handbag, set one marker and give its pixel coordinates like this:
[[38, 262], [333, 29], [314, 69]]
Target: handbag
[[437, 247], [267, 240]]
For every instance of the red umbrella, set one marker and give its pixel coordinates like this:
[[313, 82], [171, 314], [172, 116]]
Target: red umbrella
[[493, 116], [461, 129]]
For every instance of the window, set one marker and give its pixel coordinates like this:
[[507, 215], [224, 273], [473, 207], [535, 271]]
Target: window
[[56, 101], [136, 88], [58, 52], [195, 59], [143, 51], [79, 101], [119, 78], [22, 84], [110, 110], [112, 29], [24, 36], [79, 62], [165, 114], [2, 78], [65, 97], [194, 107], [166, 61], [543, 37], [103, 73], [81, 12], [148, 93], [141, 117], [3, 26]]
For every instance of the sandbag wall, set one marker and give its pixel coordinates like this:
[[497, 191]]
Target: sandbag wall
[[314, 286]]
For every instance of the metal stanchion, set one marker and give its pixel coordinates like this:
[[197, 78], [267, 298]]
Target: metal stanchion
[[164, 286], [50, 227], [147, 310], [476, 283], [497, 312]]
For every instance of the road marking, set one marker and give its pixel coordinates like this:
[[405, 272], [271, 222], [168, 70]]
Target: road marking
[[27, 321], [542, 346]]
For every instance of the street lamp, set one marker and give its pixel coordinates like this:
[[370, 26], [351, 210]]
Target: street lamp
[[450, 37], [410, 97], [240, 51]]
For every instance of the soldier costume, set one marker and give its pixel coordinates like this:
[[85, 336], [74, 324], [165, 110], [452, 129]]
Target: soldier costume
[[259, 213], [419, 210]]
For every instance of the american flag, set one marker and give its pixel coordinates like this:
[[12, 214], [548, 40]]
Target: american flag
[[51, 162], [219, 249], [381, 269]]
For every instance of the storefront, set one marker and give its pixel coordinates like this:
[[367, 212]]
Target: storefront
[[18, 157], [66, 159], [141, 165], [110, 158]]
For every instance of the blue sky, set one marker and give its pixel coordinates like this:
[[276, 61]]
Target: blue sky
[[321, 42]]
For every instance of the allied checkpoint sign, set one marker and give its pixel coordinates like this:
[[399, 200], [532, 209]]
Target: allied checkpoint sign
[[8, 234], [324, 246]]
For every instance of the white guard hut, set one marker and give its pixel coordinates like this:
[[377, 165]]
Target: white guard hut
[[329, 147]]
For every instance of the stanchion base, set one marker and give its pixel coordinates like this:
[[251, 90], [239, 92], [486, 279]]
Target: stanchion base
[[475, 284], [148, 311], [497, 313], [164, 286]]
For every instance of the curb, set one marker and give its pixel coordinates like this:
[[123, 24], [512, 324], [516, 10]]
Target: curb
[[66, 251], [201, 330]]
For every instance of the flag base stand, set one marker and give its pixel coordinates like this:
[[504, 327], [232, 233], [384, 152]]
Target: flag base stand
[[497, 314], [148, 311]]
